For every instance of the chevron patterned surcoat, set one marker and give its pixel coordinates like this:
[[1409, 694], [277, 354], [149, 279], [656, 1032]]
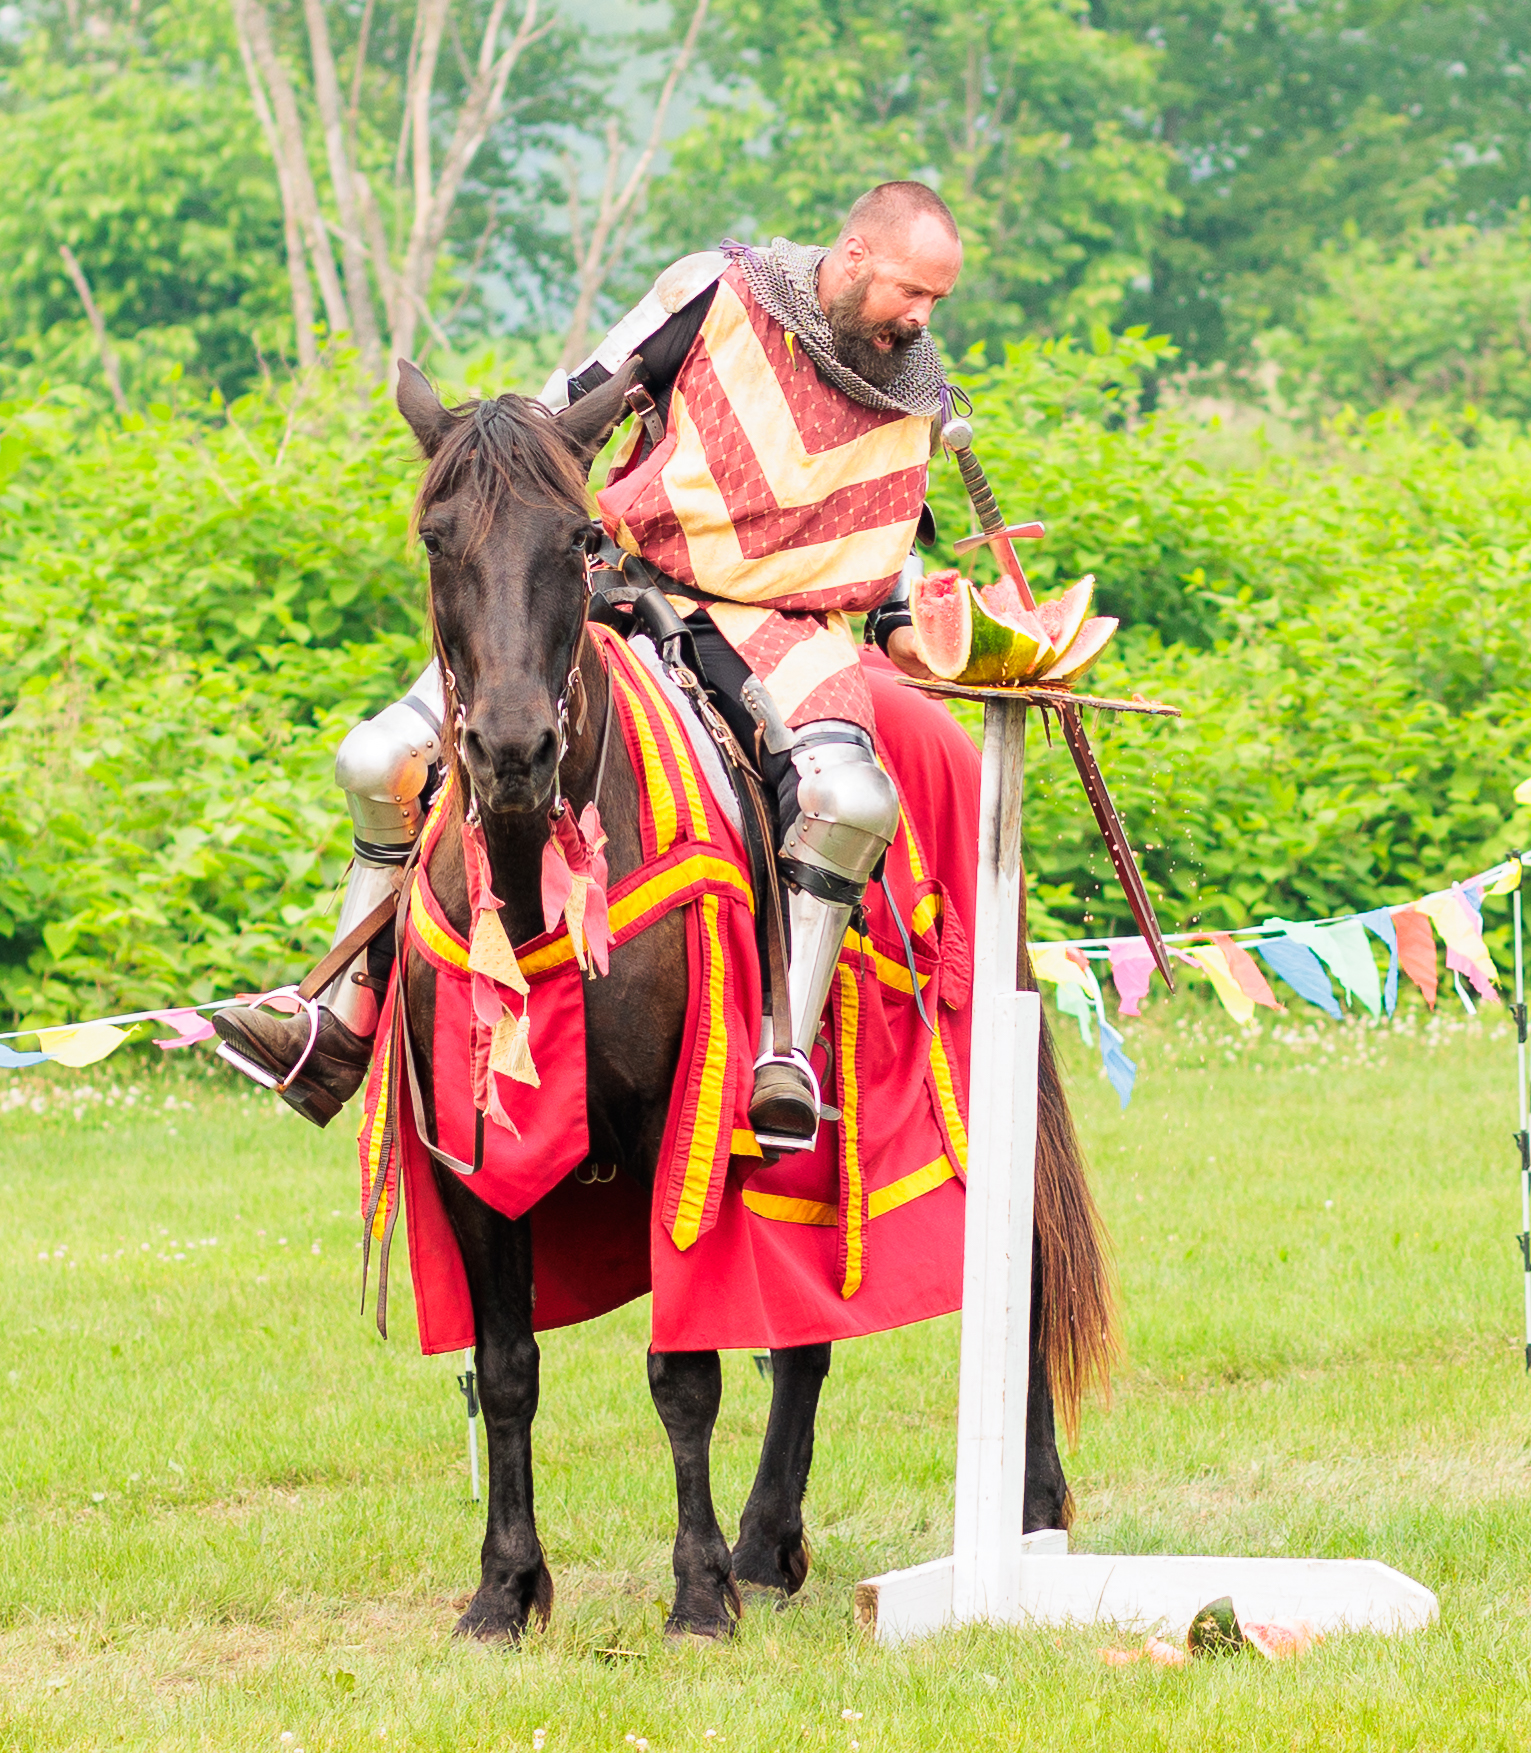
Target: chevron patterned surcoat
[[782, 502]]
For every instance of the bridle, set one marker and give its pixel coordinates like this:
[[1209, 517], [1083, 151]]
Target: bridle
[[573, 689]]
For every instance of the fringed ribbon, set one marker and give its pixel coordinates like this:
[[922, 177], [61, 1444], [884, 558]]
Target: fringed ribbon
[[574, 884], [501, 1042]]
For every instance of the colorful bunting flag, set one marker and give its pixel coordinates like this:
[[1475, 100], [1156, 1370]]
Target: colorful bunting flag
[[1132, 967], [10, 1059], [190, 1027], [1457, 920], [1210, 958], [81, 1043], [1380, 923], [1345, 952], [1246, 971], [1416, 949], [1301, 969]]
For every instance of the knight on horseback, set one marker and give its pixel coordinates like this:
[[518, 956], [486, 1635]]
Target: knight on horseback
[[722, 494]]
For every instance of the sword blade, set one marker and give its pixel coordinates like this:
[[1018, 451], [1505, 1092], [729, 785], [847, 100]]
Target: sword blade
[[1115, 836], [1003, 550]]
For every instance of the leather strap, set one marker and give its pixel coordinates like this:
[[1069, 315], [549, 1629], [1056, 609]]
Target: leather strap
[[354, 941]]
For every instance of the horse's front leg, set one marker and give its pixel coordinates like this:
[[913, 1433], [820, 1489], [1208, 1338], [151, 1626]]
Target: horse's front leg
[[688, 1387], [514, 1582], [772, 1552]]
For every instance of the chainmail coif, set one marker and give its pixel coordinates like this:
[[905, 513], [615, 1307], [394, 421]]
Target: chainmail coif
[[785, 279]]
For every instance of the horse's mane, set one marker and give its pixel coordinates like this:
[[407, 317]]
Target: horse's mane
[[510, 446]]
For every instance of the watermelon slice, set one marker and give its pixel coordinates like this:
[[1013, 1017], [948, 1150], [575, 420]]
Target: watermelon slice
[[1062, 617], [961, 639], [1281, 1638], [1087, 645]]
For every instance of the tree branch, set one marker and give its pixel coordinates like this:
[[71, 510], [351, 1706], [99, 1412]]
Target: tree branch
[[292, 227], [289, 133], [353, 252], [618, 211], [97, 326]]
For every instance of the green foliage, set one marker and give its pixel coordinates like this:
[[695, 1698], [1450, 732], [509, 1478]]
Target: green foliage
[[1354, 737], [151, 170], [1438, 324], [1291, 120], [1029, 120], [194, 608]]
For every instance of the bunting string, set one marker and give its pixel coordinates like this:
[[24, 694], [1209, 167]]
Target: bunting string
[[1307, 956]]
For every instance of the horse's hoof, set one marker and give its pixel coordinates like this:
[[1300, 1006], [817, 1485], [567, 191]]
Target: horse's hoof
[[772, 1572], [767, 1597], [490, 1627], [701, 1632]]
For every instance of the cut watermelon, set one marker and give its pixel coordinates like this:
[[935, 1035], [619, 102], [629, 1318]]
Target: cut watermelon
[[1062, 617], [960, 639], [1091, 640]]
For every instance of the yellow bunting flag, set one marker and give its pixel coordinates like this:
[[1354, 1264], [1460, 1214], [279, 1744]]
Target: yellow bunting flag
[[81, 1043], [1508, 882], [1236, 1001]]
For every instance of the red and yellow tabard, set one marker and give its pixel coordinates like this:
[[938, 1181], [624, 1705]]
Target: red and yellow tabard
[[777, 495]]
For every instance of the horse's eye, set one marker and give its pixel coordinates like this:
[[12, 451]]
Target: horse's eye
[[587, 538], [430, 542]]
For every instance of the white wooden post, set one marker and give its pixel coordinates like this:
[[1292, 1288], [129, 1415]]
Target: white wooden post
[[1002, 1143], [996, 1572]]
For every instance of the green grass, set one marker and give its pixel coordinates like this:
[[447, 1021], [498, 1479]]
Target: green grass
[[230, 1511]]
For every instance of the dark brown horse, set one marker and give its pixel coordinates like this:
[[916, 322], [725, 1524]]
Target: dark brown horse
[[502, 513]]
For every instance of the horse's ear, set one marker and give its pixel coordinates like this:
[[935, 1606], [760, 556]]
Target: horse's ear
[[588, 423], [421, 407]]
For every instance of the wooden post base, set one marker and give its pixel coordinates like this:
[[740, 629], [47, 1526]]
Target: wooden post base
[[1145, 1594]]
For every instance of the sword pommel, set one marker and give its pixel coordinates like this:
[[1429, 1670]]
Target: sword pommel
[[957, 435]]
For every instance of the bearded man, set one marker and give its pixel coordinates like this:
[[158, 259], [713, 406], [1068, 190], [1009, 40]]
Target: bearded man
[[774, 484]]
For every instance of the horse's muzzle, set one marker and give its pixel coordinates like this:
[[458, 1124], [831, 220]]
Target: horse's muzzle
[[512, 775]]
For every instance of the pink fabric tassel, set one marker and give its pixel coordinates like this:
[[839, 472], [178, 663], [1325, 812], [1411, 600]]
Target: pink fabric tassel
[[573, 851]]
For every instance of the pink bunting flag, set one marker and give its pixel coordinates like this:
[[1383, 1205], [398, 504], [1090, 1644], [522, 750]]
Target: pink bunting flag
[[1132, 967], [190, 1027]]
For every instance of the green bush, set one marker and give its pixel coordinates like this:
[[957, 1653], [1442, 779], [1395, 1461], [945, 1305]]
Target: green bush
[[194, 607], [1356, 702]]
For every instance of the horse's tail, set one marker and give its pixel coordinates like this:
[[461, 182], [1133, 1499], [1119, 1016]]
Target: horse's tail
[[1078, 1338]]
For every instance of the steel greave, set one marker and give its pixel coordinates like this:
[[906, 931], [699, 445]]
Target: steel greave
[[818, 932]]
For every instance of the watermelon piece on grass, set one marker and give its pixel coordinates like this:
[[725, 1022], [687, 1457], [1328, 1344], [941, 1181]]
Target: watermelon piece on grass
[[960, 639]]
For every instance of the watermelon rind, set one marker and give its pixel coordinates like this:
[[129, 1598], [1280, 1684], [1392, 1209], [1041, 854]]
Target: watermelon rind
[[1091, 640], [988, 652], [1063, 616]]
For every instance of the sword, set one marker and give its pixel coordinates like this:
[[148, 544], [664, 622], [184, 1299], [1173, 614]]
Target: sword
[[998, 536]]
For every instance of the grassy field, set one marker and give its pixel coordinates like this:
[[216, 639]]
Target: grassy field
[[233, 1518]]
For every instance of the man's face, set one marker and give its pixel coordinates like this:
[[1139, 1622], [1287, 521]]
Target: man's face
[[897, 279]]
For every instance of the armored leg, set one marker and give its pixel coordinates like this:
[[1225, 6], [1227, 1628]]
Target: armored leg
[[847, 817], [384, 767]]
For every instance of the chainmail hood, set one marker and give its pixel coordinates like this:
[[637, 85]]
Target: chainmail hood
[[785, 279]]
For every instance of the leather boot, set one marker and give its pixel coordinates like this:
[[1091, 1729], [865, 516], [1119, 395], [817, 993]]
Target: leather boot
[[784, 1109], [335, 1071]]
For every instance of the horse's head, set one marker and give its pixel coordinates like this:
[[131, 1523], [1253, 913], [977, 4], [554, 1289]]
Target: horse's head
[[502, 513]]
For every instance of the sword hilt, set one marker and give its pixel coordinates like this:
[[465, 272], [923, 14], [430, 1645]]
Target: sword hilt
[[957, 436]]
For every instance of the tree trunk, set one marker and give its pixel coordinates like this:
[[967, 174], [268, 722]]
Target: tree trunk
[[353, 248], [292, 228], [289, 130]]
